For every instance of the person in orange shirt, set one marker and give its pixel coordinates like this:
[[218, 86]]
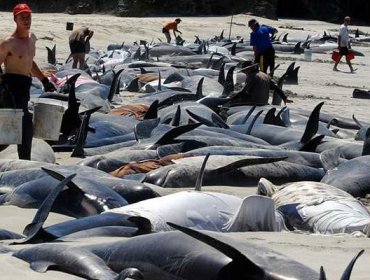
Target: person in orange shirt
[[171, 25]]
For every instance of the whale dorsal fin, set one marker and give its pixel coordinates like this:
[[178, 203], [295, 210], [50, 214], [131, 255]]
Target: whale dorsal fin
[[241, 264], [312, 124], [199, 182], [34, 231], [256, 213]]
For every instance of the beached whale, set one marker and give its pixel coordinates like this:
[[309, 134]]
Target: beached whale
[[317, 207], [351, 176], [231, 170], [189, 254], [40, 151], [91, 192]]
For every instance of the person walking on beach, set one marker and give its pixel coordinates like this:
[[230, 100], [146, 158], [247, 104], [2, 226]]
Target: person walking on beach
[[344, 45], [17, 52], [79, 44], [257, 87], [264, 52], [171, 25]]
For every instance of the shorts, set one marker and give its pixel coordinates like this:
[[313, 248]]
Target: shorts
[[17, 94], [77, 47], [164, 30], [19, 89], [268, 60], [343, 50]]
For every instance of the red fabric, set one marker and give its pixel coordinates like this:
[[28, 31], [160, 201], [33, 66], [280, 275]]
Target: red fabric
[[335, 55], [21, 8], [350, 55]]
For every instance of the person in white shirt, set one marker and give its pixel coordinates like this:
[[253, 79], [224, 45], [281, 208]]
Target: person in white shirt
[[343, 44]]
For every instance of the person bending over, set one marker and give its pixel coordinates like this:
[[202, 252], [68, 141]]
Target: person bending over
[[79, 44], [256, 88], [264, 52], [171, 25]]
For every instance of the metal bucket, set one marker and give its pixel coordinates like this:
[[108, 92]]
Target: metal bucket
[[11, 126], [47, 120], [307, 54]]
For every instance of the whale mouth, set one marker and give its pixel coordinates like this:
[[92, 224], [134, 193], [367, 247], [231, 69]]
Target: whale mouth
[[265, 188]]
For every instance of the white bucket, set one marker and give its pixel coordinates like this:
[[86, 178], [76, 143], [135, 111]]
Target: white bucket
[[307, 54], [11, 126], [47, 120]]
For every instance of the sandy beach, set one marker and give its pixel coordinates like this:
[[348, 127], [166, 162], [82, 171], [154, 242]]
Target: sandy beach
[[317, 82]]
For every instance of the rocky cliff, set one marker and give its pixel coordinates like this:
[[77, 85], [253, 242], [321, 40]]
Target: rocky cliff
[[328, 10]]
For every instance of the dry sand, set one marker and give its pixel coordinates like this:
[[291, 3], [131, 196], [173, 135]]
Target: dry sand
[[317, 82]]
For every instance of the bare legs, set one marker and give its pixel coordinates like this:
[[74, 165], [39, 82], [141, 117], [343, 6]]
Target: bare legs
[[78, 59], [336, 63], [349, 64], [168, 37], [348, 61]]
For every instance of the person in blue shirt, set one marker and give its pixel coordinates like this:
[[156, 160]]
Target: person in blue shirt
[[264, 53]]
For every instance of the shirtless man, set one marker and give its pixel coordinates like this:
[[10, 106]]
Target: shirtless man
[[79, 42], [17, 52]]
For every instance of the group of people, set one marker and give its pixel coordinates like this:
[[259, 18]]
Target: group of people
[[17, 53], [258, 83]]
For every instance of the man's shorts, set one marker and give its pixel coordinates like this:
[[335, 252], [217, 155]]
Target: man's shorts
[[164, 30], [343, 50], [77, 47]]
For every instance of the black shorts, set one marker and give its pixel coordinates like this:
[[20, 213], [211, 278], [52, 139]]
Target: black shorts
[[343, 50], [77, 47], [268, 59], [17, 91], [164, 30]]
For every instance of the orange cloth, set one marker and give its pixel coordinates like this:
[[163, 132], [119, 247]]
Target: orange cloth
[[146, 165], [171, 25], [136, 110]]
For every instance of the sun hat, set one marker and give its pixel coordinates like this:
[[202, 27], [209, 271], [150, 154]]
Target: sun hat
[[21, 8], [247, 65]]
